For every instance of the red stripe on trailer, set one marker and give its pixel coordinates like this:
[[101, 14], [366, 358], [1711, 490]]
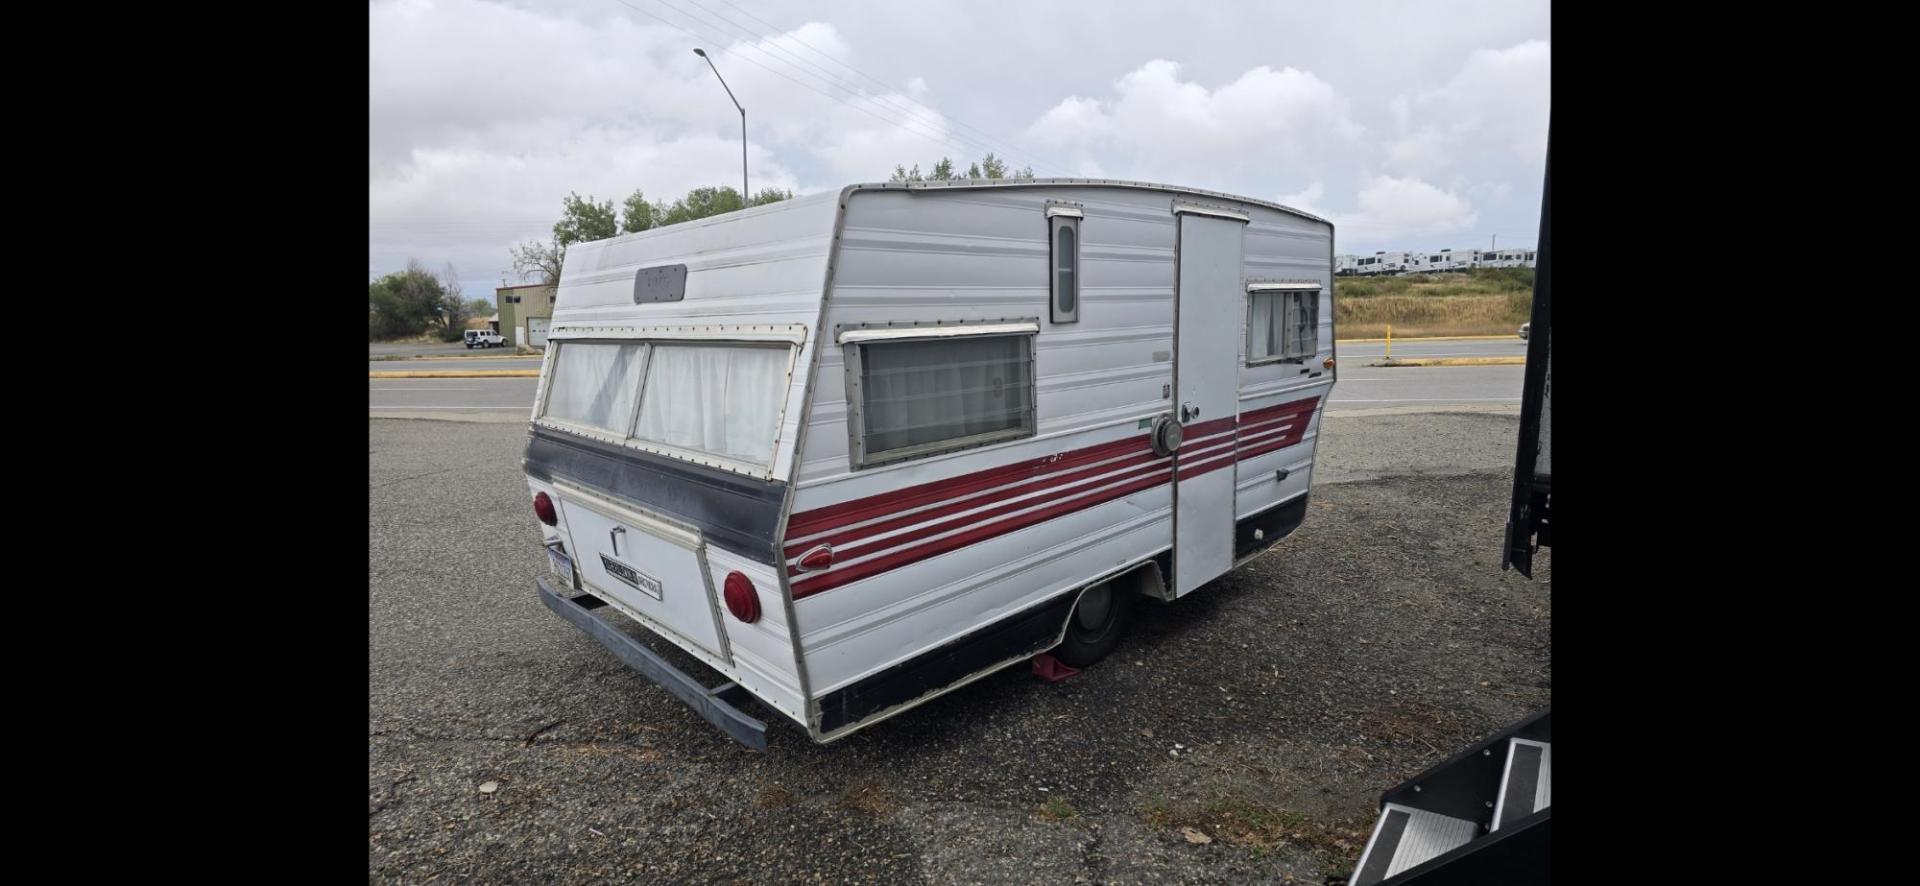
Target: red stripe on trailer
[[933, 529], [1050, 480], [1202, 428], [1000, 485], [837, 577], [1268, 412], [1207, 465], [837, 515]]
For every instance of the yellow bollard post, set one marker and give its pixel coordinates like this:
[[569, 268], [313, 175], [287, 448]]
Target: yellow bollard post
[[1389, 341]]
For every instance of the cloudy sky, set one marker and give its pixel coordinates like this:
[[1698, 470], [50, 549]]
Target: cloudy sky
[[1415, 125]]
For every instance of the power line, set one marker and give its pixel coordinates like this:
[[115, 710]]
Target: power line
[[937, 119], [943, 141], [893, 93], [917, 126]]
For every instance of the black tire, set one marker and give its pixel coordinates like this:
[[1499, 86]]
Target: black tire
[[1094, 627]]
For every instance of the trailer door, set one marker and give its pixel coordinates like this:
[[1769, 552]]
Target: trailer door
[[1212, 300]]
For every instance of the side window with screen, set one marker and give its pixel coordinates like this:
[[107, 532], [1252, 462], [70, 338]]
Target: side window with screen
[[1283, 324], [921, 397]]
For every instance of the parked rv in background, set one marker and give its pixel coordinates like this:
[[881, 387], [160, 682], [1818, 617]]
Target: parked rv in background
[[1389, 263]]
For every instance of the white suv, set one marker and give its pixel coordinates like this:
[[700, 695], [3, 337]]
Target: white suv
[[484, 338]]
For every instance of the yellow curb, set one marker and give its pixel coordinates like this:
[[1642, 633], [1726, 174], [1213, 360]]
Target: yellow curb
[[1456, 361], [460, 373], [474, 357], [1358, 341]]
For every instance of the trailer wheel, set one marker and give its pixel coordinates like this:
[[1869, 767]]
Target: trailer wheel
[[1095, 625]]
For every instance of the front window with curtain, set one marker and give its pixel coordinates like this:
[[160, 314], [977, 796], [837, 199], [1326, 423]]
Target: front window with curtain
[[1283, 324], [595, 385], [721, 400], [922, 397], [683, 399]]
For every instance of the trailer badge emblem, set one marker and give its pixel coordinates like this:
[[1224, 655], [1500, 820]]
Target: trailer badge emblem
[[639, 581]]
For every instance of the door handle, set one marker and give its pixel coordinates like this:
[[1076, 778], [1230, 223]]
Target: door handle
[[614, 534]]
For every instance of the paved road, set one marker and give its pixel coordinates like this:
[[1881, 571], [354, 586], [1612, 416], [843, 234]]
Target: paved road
[[1266, 711], [1367, 352], [502, 362]]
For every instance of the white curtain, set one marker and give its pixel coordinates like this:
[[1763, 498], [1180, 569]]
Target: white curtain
[[928, 391], [594, 384], [1263, 339], [719, 399], [1283, 324], [1304, 311]]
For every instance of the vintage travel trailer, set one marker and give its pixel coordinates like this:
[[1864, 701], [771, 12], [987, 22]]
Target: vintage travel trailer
[[856, 449]]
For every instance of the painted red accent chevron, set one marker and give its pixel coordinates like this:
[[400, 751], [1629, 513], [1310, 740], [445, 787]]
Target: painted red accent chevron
[[973, 508], [847, 512], [814, 584]]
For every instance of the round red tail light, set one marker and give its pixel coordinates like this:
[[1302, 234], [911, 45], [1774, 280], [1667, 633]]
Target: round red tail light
[[741, 600], [543, 508]]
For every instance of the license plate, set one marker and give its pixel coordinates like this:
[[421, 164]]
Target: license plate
[[562, 564], [639, 581]]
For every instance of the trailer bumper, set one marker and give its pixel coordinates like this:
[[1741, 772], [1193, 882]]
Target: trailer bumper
[[719, 705]]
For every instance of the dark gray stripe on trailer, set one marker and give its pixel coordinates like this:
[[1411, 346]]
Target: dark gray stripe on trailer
[[1026, 633], [1274, 524], [734, 512]]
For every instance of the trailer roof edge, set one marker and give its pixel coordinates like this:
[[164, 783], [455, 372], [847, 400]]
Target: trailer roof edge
[[1081, 182]]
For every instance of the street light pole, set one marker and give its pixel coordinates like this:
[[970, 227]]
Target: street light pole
[[744, 194]]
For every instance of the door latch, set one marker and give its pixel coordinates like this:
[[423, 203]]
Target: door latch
[[614, 534], [1188, 412]]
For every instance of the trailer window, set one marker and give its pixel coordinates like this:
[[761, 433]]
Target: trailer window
[[719, 400], [918, 398], [594, 384], [1283, 324], [1066, 268]]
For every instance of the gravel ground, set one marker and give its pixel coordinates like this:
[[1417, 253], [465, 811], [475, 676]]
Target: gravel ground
[[1244, 732]]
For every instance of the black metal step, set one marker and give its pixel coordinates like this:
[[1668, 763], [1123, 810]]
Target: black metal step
[[1526, 786], [1405, 837]]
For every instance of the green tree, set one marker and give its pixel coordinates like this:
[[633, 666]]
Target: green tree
[[700, 203], [404, 303], [542, 260], [581, 221], [584, 220], [770, 195], [639, 215], [480, 307], [989, 166]]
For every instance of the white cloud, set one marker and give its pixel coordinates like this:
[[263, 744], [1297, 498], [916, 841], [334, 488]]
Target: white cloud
[[483, 116], [1160, 127], [1498, 101], [1405, 208], [1397, 122], [1307, 201]]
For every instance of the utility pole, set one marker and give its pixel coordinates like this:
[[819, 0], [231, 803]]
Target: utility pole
[[743, 125]]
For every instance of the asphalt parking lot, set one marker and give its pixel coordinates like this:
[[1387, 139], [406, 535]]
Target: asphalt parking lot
[[1242, 733]]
